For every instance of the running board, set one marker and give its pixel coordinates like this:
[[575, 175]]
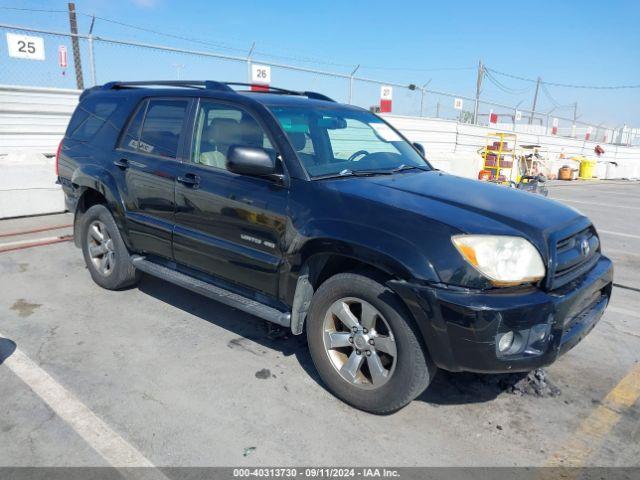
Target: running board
[[212, 291]]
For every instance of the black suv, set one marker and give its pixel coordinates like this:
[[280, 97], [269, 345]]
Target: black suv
[[322, 217]]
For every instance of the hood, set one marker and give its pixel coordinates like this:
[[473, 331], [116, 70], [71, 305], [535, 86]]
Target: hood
[[469, 206]]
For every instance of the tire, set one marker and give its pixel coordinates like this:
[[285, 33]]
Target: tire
[[97, 222], [402, 377]]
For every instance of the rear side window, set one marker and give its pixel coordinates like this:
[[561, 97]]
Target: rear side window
[[162, 126], [90, 116], [156, 127]]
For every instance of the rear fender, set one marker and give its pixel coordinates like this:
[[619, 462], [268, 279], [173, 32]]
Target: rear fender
[[97, 178]]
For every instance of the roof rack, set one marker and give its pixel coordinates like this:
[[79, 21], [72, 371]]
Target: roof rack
[[206, 84], [211, 85]]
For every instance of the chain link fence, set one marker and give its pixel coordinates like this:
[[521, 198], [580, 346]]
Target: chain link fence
[[105, 59]]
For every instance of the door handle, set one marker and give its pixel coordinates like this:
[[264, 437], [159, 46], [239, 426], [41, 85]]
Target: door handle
[[121, 163], [190, 180]]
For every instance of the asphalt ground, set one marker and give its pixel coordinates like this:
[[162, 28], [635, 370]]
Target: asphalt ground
[[159, 376]]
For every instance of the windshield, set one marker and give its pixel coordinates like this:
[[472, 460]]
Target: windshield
[[340, 141]]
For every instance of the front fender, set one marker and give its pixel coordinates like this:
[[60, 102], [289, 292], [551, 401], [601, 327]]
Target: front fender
[[382, 249]]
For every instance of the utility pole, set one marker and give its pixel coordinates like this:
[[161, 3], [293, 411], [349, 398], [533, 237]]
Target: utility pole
[[548, 114], [253, 46], [535, 100], [478, 90], [77, 61], [92, 60], [515, 113], [353, 72], [178, 67], [422, 97], [575, 117]]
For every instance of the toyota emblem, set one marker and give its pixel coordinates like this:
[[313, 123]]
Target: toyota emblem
[[585, 247]]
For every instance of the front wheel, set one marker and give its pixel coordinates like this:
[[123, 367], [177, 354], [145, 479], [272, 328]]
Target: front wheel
[[365, 346]]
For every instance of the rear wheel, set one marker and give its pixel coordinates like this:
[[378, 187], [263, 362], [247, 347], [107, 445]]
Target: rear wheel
[[365, 346], [104, 251]]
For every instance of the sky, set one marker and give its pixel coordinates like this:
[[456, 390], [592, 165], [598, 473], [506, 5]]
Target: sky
[[412, 41]]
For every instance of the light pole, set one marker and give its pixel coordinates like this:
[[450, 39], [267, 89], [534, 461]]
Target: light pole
[[178, 67], [515, 112], [353, 72], [253, 45], [535, 101], [546, 128], [422, 96]]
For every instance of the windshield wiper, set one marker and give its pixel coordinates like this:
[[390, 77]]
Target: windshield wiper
[[363, 173], [355, 173], [370, 173], [404, 167]]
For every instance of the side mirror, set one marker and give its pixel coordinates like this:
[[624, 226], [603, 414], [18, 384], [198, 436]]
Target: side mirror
[[250, 161], [419, 147]]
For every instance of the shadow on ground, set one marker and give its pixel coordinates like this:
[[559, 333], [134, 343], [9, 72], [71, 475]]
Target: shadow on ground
[[7, 347], [255, 335], [462, 388]]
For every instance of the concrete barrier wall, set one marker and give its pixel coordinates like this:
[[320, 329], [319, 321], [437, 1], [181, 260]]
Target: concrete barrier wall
[[33, 121], [27, 185], [453, 147]]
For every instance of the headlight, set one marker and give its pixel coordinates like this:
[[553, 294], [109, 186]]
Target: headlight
[[502, 259]]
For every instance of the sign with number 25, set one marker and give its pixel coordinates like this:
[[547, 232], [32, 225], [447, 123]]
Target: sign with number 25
[[25, 46]]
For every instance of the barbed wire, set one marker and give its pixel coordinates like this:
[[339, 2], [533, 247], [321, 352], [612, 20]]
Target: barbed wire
[[564, 85]]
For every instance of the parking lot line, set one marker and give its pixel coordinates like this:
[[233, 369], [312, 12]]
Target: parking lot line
[[626, 287], [619, 234], [624, 311], [593, 204], [593, 431], [626, 195], [615, 251], [111, 446]]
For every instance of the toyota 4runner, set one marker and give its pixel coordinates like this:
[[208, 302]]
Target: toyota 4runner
[[322, 218]]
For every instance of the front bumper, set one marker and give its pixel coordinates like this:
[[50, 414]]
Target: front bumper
[[461, 327]]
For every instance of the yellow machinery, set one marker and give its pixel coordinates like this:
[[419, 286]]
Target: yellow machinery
[[498, 157]]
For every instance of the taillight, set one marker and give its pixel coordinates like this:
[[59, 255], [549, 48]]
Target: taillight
[[58, 158]]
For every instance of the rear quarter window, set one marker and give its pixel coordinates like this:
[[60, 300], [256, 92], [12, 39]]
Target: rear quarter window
[[90, 116], [129, 140]]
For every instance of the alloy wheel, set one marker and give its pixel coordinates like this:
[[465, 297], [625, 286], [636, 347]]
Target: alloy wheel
[[359, 343], [101, 249]]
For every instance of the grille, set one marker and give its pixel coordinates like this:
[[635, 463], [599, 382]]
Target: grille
[[574, 256]]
